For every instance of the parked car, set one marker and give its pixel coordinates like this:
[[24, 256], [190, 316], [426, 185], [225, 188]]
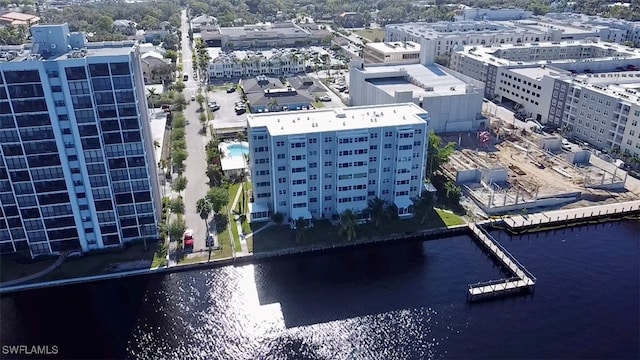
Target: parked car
[[325, 98], [211, 240], [231, 89], [240, 111], [188, 238], [193, 98], [214, 107]]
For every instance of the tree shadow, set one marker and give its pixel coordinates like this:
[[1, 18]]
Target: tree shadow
[[222, 222]]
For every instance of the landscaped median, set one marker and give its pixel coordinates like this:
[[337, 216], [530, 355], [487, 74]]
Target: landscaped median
[[280, 238]]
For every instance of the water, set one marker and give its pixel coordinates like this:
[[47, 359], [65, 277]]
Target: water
[[395, 302], [237, 149]]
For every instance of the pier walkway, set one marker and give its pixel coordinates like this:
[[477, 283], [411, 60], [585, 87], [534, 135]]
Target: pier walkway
[[562, 216], [522, 279]]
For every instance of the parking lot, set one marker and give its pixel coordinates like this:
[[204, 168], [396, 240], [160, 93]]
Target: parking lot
[[226, 117]]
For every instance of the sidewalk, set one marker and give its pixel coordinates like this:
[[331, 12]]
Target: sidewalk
[[243, 241], [40, 273]]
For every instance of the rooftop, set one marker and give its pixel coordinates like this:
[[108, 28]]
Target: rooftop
[[538, 72], [351, 118], [429, 80], [449, 29], [394, 47], [545, 26], [498, 53]]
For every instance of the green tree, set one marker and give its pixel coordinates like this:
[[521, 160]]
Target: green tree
[[214, 173], [105, 23], [452, 191], [204, 209], [376, 210], [422, 206], [203, 121], [176, 205], [200, 99], [301, 226], [179, 184], [218, 197], [178, 157], [348, 224], [176, 229], [437, 153]]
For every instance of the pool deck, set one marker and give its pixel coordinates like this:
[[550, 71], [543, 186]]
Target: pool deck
[[232, 162]]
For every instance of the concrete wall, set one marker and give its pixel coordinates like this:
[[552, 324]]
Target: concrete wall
[[470, 175], [550, 143], [579, 157], [498, 174]]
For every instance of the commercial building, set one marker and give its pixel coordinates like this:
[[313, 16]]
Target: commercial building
[[19, 19], [278, 35], [77, 166], [454, 101], [266, 94], [406, 52], [319, 163], [527, 74]]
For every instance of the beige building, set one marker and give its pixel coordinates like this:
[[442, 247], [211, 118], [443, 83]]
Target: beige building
[[406, 52]]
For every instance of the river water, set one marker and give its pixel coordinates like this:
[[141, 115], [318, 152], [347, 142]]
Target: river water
[[405, 301]]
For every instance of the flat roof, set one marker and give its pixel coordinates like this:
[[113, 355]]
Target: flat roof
[[547, 26], [395, 47], [445, 29], [490, 53], [536, 73], [426, 76], [339, 119]]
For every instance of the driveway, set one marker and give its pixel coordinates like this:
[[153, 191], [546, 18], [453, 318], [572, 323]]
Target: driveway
[[226, 117]]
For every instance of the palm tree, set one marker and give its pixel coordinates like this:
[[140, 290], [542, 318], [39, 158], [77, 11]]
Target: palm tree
[[301, 226], [422, 206], [273, 104], [376, 210], [349, 223], [241, 136], [152, 95], [203, 207]]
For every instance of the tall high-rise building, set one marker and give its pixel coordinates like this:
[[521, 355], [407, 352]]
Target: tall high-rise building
[[77, 163], [319, 163]]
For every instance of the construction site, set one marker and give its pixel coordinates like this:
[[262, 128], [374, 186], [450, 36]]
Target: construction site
[[508, 170]]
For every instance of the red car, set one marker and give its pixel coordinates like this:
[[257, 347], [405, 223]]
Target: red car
[[188, 238]]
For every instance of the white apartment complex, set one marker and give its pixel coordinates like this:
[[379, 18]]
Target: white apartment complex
[[442, 37], [242, 64], [527, 74], [77, 164], [453, 100], [401, 52], [319, 163], [604, 110]]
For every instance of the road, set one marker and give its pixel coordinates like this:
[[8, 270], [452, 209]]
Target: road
[[196, 163]]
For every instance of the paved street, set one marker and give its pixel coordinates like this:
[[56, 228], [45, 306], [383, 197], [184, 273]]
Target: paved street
[[196, 161]]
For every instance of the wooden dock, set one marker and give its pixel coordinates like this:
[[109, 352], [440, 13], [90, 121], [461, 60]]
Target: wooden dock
[[572, 215], [521, 281]]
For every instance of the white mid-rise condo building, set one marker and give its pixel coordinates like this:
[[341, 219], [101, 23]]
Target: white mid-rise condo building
[[319, 163]]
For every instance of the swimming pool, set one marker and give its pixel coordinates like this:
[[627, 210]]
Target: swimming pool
[[237, 149]]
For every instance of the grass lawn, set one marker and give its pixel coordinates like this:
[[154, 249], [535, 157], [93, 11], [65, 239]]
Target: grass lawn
[[281, 237], [317, 104], [11, 270], [371, 34], [96, 264]]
